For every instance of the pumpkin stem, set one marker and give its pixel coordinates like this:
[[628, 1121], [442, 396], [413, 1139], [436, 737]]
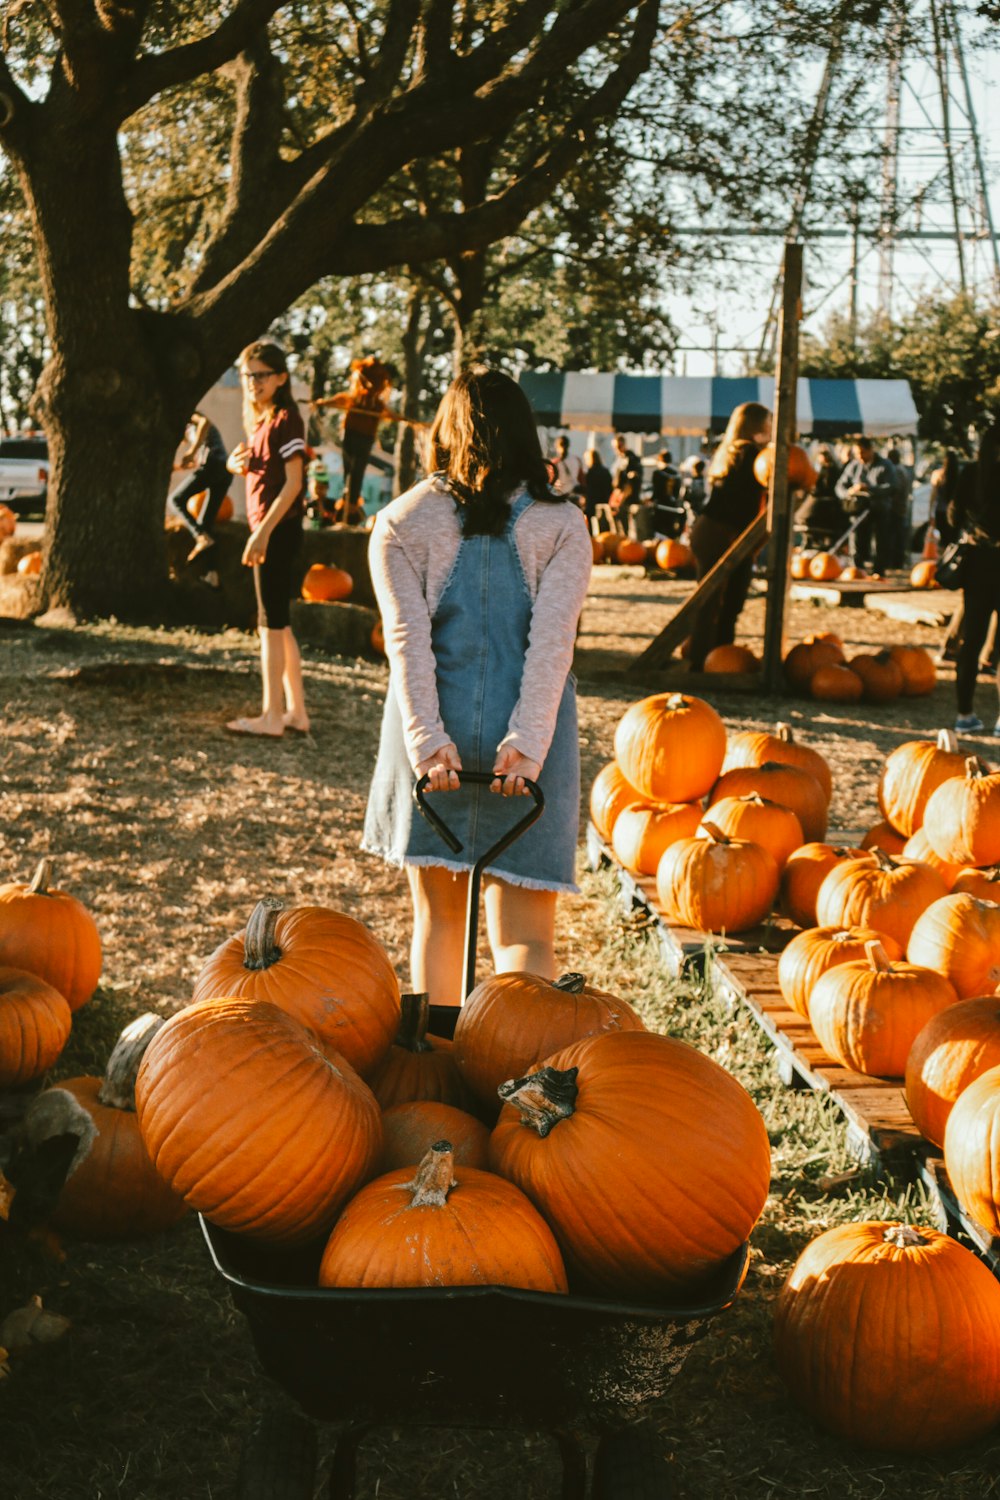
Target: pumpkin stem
[[903, 1236], [118, 1088], [784, 732], [947, 740], [543, 1098], [42, 879], [260, 950], [973, 767], [884, 861], [414, 1014], [675, 701], [878, 958], [714, 832], [435, 1177], [571, 984]]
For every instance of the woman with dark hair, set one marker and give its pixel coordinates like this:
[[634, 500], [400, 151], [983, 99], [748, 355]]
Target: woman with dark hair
[[975, 513], [734, 499], [480, 572], [272, 459], [944, 483]]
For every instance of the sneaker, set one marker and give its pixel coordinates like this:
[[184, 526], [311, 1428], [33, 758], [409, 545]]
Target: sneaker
[[201, 545], [969, 724]]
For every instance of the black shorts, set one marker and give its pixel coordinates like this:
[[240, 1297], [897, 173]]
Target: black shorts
[[273, 577]]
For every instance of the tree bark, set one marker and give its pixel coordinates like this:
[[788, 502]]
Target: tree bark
[[416, 344]]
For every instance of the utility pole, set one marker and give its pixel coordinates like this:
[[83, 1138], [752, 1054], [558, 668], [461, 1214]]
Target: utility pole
[[779, 500], [890, 169]]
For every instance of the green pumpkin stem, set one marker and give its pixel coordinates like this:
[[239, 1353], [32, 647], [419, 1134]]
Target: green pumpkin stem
[[904, 1236], [117, 1090], [42, 879], [260, 950], [414, 1014], [571, 984], [543, 1098], [435, 1177]]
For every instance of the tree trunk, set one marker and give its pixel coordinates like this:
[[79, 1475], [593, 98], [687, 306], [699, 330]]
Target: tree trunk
[[405, 461]]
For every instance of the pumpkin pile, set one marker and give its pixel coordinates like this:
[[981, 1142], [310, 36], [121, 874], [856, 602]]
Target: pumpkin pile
[[818, 667]]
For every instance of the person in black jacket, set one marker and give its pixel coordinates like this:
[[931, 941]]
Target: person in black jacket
[[735, 499], [975, 512]]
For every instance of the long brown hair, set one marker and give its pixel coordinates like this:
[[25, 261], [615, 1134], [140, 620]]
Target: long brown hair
[[744, 423], [485, 443], [273, 356]]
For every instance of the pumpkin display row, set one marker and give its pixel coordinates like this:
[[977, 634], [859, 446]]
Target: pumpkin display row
[[818, 666]]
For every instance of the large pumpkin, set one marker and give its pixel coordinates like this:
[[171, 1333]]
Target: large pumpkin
[[737, 659], [953, 1049], [410, 1130], [756, 821], [911, 773], [320, 966], [959, 936], [716, 884], [791, 786], [983, 883], [880, 674], [252, 1122], [917, 667], [510, 1022], [878, 891], [801, 474], [810, 954], [113, 1191], [587, 1139], [417, 1066], [883, 836], [671, 554], [804, 873], [836, 684], [642, 832], [824, 567], [868, 1015], [630, 552], [962, 818], [442, 1226], [972, 1149], [804, 661], [890, 1337], [918, 847], [52, 934], [749, 748], [35, 1023], [609, 795], [670, 747], [323, 585]]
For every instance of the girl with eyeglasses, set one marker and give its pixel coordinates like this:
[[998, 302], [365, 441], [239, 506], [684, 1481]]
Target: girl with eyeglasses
[[273, 462]]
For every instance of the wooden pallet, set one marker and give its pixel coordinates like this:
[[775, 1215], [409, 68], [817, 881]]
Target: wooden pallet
[[952, 1218], [849, 594]]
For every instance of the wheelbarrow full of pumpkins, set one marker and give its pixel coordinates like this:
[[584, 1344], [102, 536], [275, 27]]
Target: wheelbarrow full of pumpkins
[[522, 1218]]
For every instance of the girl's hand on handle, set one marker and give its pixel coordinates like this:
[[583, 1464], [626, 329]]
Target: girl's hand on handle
[[255, 550], [441, 767], [512, 770], [238, 461]]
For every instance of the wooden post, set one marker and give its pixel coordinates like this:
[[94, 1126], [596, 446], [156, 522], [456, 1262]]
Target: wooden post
[[779, 500]]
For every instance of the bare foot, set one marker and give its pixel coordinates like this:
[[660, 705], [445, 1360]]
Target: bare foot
[[295, 724], [261, 727]]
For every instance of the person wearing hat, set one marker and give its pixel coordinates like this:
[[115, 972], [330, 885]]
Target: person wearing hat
[[318, 506]]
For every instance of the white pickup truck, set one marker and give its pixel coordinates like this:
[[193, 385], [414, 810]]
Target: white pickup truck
[[24, 472]]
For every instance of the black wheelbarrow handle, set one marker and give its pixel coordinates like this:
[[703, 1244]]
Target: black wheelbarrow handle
[[477, 778]]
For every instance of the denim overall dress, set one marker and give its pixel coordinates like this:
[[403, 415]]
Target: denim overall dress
[[479, 635]]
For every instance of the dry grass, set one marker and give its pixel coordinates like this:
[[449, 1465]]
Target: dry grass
[[112, 762]]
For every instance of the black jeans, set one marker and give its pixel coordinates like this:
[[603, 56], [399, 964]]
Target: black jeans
[[215, 478], [356, 449], [877, 523], [981, 593], [715, 624]]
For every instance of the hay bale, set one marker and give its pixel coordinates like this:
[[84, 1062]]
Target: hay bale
[[342, 628]]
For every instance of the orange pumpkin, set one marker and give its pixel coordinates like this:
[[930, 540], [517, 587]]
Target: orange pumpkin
[[671, 554], [836, 684], [442, 1226], [323, 585], [35, 1023], [608, 796], [962, 817], [731, 659], [377, 638], [954, 1049], [959, 937], [52, 934], [982, 883], [8, 522], [652, 1228], [609, 544], [804, 873], [410, 1130], [320, 966], [801, 474], [196, 507], [852, 574], [513, 1021], [754, 820], [252, 1123], [811, 953], [30, 565], [883, 836], [922, 575], [925, 1312], [630, 552], [788, 785], [417, 1066], [878, 891], [597, 549], [912, 772], [880, 674], [113, 1192], [918, 848], [798, 565], [670, 747], [748, 748], [867, 1015], [643, 831], [824, 567], [716, 884], [972, 1149], [917, 666], [804, 661]]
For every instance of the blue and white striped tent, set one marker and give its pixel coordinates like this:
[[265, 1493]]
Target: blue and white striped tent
[[682, 404]]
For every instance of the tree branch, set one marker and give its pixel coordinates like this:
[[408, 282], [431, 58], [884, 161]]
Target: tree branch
[[157, 71], [15, 110], [435, 56]]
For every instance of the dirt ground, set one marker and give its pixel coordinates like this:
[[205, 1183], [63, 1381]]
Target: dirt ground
[[113, 763]]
